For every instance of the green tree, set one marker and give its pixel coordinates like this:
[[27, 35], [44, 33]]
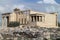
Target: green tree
[[13, 24]]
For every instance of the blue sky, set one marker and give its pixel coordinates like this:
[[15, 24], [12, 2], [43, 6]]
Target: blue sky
[[37, 5], [8, 5]]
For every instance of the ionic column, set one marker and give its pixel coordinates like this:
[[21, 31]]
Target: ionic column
[[2, 21], [33, 19], [39, 18], [6, 21], [36, 18]]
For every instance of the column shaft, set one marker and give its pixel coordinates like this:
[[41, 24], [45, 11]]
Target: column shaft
[[2, 21]]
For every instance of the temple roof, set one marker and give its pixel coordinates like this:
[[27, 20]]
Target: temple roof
[[6, 13]]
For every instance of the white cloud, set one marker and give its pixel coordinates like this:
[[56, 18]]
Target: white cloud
[[48, 1], [2, 8], [50, 9], [8, 8], [40, 2], [19, 6]]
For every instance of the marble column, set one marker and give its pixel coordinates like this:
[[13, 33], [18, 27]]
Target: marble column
[[5, 21], [39, 18], [2, 21], [36, 18], [33, 19]]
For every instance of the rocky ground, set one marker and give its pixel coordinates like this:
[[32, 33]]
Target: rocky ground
[[37, 33]]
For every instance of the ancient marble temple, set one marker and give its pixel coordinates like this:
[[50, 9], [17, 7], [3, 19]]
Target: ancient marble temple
[[30, 18], [45, 22]]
